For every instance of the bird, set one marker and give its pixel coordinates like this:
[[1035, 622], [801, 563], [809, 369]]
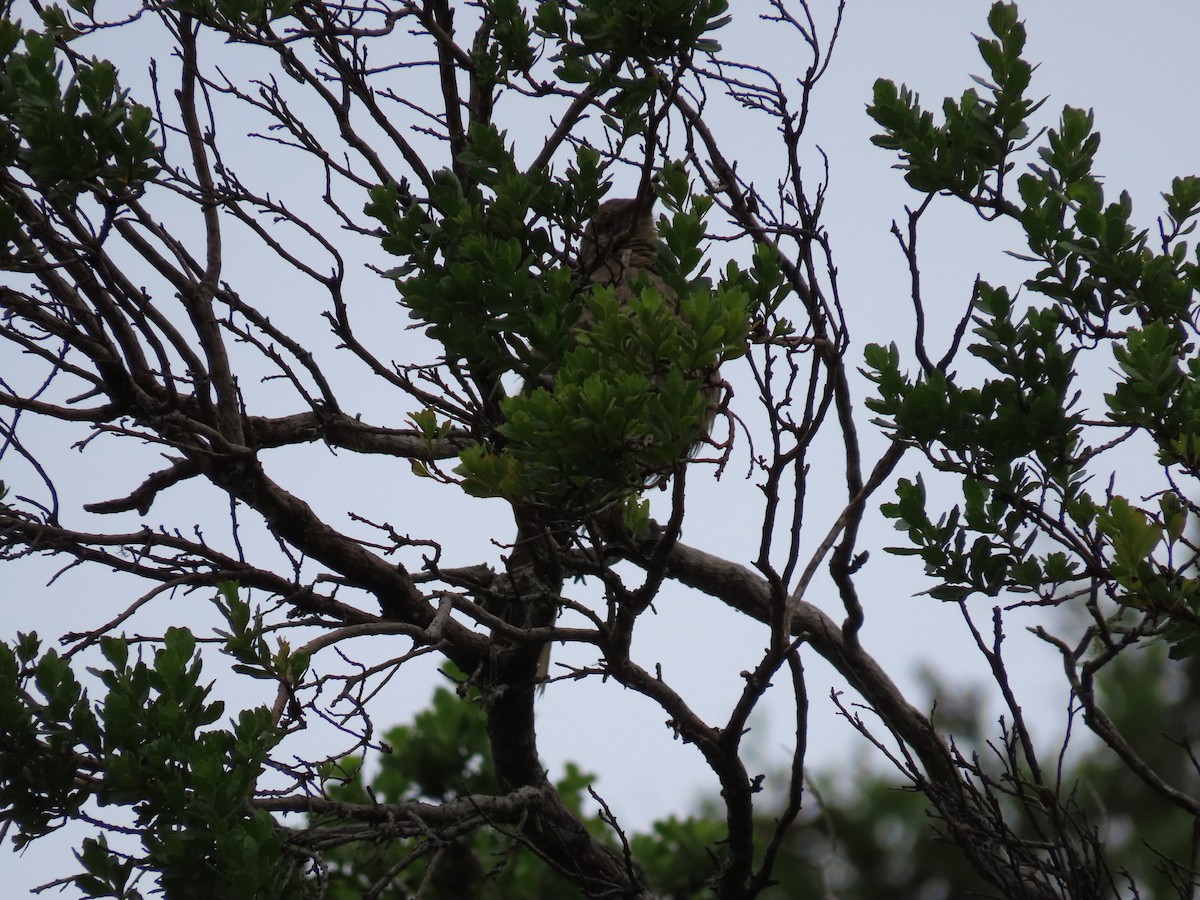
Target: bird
[[620, 248]]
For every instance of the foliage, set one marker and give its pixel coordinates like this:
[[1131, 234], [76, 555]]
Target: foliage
[[86, 136], [612, 403], [146, 744], [1029, 523], [445, 753]]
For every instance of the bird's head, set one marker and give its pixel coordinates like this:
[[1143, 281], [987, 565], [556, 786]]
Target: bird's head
[[621, 225]]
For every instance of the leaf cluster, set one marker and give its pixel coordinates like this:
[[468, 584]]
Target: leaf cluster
[[612, 393], [626, 29], [1019, 439], [237, 16], [443, 754], [618, 48], [147, 744], [979, 131], [81, 136]]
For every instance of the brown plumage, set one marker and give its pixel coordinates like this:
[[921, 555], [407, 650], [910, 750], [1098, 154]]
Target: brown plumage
[[620, 244], [620, 248]]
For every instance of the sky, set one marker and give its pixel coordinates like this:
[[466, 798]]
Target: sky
[[1132, 63]]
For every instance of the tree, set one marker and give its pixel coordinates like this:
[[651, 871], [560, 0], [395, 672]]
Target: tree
[[123, 213]]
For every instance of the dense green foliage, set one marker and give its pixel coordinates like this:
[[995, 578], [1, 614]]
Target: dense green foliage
[[147, 743], [1031, 520]]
